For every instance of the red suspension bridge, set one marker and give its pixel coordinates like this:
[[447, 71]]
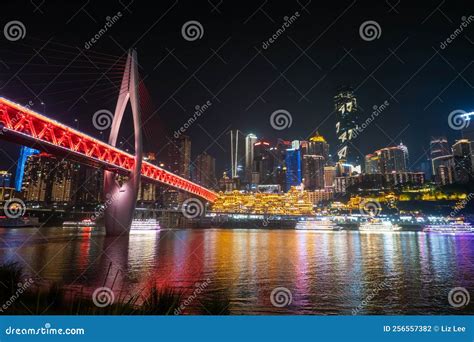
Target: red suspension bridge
[[24, 126]]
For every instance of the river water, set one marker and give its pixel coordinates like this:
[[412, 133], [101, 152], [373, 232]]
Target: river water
[[345, 272]]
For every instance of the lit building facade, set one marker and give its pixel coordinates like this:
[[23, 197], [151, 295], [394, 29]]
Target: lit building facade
[[347, 117], [293, 168], [313, 172], [250, 141]]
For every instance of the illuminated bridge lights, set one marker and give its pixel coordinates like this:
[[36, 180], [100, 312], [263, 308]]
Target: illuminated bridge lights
[[24, 126]]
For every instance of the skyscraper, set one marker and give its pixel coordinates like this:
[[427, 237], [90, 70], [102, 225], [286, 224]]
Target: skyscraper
[[250, 141], [293, 168], [462, 160], [318, 146], [347, 116], [313, 172], [372, 164], [25, 152], [179, 156], [392, 159], [205, 170], [263, 163], [48, 179], [442, 160]]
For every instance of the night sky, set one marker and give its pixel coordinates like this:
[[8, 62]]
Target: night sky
[[228, 66]]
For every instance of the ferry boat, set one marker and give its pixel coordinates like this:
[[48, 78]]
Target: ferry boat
[[78, 224], [145, 224], [449, 228], [324, 225], [379, 226]]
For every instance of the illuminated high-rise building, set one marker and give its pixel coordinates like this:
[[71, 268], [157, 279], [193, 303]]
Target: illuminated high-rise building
[[250, 141], [179, 156], [372, 164], [347, 116], [462, 160], [48, 179], [329, 176], [392, 159], [263, 163], [313, 172], [5, 179], [318, 146], [293, 168], [25, 152]]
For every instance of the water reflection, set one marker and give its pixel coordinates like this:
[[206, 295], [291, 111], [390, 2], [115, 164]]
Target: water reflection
[[326, 272]]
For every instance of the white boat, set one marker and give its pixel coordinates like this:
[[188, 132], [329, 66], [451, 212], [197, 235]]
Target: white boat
[[77, 224], [449, 228], [145, 224], [317, 225], [379, 226]]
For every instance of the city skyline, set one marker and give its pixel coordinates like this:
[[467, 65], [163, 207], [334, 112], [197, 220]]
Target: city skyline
[[398, 69]]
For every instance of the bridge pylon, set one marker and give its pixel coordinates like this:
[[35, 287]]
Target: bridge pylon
[[121, 199]]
